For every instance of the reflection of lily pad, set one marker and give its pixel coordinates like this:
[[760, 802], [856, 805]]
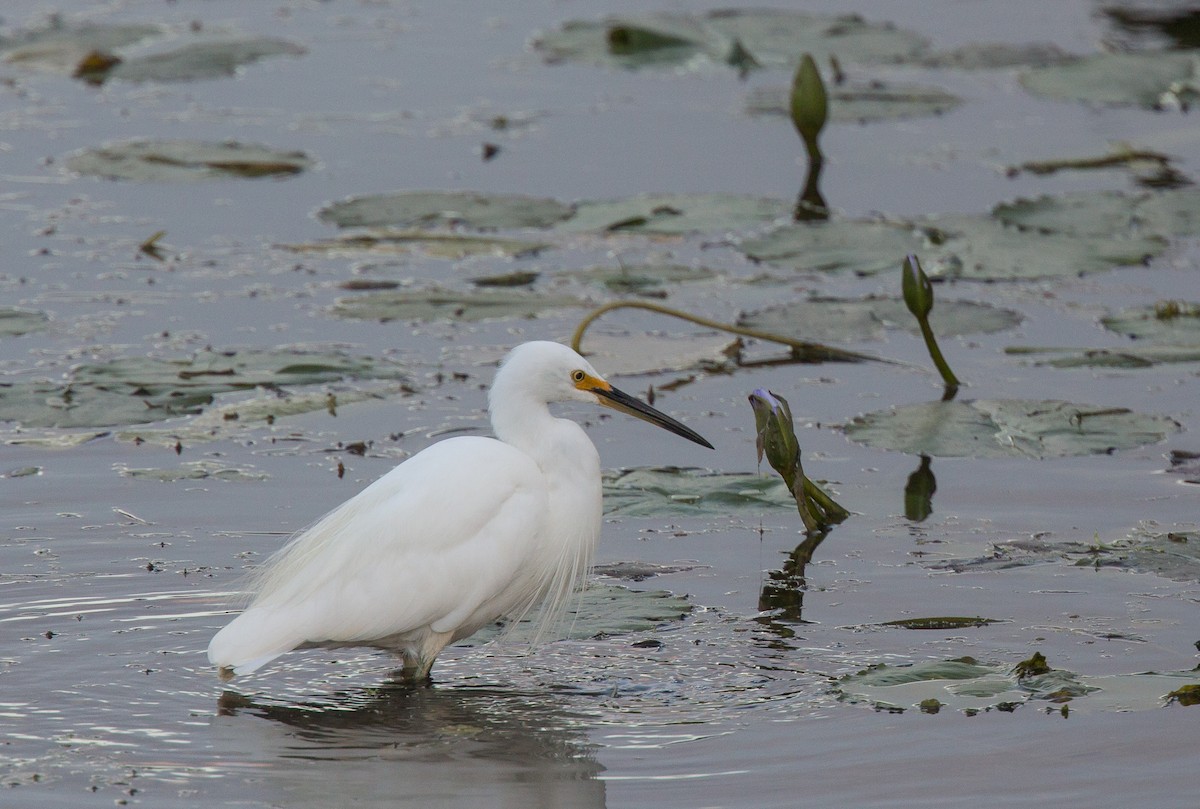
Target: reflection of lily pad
[[202, 60], [1167, 213], [1141, 79], [183, 160], [442, 304], [452, 246], [862, 103], [409, 209], [137, 390], [840, 320], [994, 428], [668, 491], [603, 610], [726, 37], [21, 321], [641, 277], [950, 247], [676, 213]]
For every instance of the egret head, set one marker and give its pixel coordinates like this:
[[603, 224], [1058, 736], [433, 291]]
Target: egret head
[[554, 373]]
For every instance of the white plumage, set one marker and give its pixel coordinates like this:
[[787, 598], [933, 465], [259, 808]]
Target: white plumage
[[465, 532]]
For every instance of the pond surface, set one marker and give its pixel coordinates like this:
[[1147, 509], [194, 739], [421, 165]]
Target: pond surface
[[192, 367]]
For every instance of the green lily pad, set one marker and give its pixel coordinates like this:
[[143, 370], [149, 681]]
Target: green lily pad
[[21, 321], [1167, 322], [965, 247], [641, 277], [1173, 212], [676, 213], [999, 428], [137, 390], [453, 246], [999, 55], [738, 38], [442, 304], [197, 470], [867, 103], [186, 160], [941, 623], [427, 209], [202, 60], [61, 47], [662, 352], [843, 320], [1130, 357], [602, 610], [1150, 80], [671, 491]]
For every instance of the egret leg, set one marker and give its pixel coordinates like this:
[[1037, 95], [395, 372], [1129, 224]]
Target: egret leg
[[419, 658]]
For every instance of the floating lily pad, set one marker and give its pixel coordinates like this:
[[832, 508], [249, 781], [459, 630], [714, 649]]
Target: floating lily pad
[[641, 277], [661, 352], [186, 160], [997, 428], [21, 321], [197, 470], [202, 60], [602, 610], [138, 390], [868, 103], [963, 247], [1099, 213], [999, 55], [842, 320], [676, 213], [453, 246], [62, 47], [443, 304], [1167, 322], [941, 623], [726, 38], [1150, 80], [1137, 356], [670, 491], [426, 209]]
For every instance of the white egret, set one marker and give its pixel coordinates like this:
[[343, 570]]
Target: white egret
[[465, 532]]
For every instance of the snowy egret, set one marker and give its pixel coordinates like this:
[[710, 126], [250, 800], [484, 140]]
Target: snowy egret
[[465, 532]]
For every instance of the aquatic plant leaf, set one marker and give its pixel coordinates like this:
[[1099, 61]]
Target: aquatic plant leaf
[[202, 60], [186, 160], [999, 55], [443, 304], [137, 390], [640, 277], [1173, 212], [671, 491], [941, 622], [452, 246], [21, 321], [862, 103], [964, 247], [853, 320], [197, 470], [1140, 79], [602, 610], [427, 209], [61, 48], [1138, 356], [679, 41], [995, 428], [1166, 323], [676, 213], [664, 352]]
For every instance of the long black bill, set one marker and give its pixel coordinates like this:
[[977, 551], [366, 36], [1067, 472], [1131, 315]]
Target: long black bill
[[619, 400]]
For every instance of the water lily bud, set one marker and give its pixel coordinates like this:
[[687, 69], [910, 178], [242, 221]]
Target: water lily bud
[[776, 435], [918, 291], [810, 104]]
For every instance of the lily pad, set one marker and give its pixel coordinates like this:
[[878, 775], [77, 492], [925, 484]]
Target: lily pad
[[733, 37], [602, 610], [964, 247], [1166, 322], [1150, 80], [453, 246], [1129, 357], [186, 160], [1099, 213], [867, 103], [138, 390], [427, 209], [941, 623], [844, 320], [21, 321], [61, 47], [444, 304], [640, 277], [999, 55], [202, 60], [197, 470], [676, 213], [671, 491], [661, 352], [999, 428]]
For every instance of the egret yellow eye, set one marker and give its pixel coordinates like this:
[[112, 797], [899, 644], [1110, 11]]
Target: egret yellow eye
[[578, 376]]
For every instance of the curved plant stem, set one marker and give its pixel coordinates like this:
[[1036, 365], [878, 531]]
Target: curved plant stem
[[935, 353], [801, 349]]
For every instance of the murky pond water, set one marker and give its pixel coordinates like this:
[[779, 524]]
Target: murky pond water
[[126, 528]]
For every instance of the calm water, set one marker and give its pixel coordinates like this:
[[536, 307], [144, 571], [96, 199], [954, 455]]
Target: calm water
[[111, 584]]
